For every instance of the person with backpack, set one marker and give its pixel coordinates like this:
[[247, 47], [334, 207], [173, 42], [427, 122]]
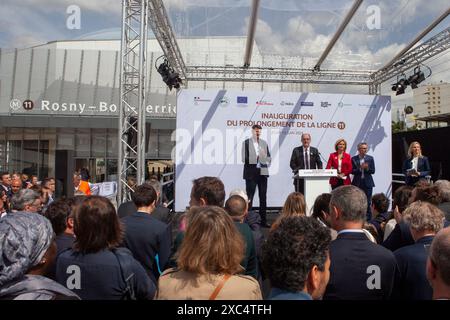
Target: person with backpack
[[96, 268]]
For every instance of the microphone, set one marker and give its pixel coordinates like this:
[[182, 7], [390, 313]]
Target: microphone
[[321, 157]]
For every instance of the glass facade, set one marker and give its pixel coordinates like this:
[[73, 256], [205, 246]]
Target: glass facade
[[45, 151], [31, 151]]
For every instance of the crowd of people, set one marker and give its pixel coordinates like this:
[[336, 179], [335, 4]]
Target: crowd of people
[[83, 248]]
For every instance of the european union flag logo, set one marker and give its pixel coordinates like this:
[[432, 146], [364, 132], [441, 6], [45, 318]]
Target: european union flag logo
[[241, 99]]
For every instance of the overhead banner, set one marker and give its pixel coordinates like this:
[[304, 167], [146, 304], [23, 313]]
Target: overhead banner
[[213, 125]]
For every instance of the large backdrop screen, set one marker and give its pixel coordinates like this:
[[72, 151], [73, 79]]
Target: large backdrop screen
[[212, 125]]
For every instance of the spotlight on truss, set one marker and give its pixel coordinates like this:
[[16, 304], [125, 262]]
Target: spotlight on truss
[[417, 77], [400, 86], [169, 76]]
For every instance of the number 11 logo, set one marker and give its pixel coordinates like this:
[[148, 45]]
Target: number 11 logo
[[28, 104]]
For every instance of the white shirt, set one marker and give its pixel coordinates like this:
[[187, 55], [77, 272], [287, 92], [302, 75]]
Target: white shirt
[[414, 162], [364, 231], [361, 161], [307, 164], [257, 150], [388, 228]]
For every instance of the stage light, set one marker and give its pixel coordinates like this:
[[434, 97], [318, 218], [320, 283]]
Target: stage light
[[400, 86], [169, 76], [402, 83], [416, 78]]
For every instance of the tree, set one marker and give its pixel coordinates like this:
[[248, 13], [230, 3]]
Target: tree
[[398, 126]]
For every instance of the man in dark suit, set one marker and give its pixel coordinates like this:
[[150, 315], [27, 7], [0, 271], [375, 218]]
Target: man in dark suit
[[444, 191], [360, 269], [161, 213], [438, 265], [5, 183], [379, 208], [304, 157], [425, 221], [256, 158], [236, 206], [147, 238], [363, 166]]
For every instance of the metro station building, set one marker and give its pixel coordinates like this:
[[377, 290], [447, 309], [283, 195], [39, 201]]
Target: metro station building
[[59, 104]]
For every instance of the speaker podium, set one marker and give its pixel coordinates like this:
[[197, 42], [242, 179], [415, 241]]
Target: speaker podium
[[316, 182]]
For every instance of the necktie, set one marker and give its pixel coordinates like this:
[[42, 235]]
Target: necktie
[[362, 170], [306, 159]]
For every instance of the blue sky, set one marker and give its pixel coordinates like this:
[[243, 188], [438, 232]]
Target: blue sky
[[298, 28]]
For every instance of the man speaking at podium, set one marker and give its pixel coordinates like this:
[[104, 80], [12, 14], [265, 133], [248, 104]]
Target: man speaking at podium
[[304, 157]]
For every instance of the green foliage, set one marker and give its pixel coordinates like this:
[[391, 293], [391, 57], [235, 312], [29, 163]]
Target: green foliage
[[398, 126]]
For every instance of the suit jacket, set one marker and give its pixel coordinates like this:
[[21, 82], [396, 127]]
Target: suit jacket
[[253, 220], [423, 166], [358, 180], [346, 167], [147, 237], [298, 159], [399, 237], [250, 159], [352, 255], [279, 294], [8, 191], [411, 282], [445, 207], [161, 213], [381, 218]]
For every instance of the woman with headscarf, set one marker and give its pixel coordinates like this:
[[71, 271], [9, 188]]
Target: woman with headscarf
[[27, 249]]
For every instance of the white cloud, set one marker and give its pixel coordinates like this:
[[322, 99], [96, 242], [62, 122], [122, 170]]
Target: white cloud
[[100, 6], [299, 39], [266, 38], [37, 30], [298, 28]]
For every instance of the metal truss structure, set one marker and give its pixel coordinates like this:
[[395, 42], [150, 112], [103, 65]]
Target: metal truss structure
[[159, 21], [418, 55], [137, 15], [338, 33], [133, 66], [277, 75]]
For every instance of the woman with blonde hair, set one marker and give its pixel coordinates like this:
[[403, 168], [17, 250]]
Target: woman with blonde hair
[[209, 261], [417, 166], [342, 162], [294, 206]]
